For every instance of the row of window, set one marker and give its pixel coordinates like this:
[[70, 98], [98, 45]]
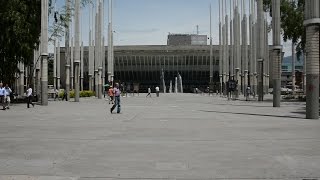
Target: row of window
[[162, 60]]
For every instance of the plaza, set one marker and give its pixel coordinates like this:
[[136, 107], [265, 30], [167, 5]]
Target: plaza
[[175, 136]]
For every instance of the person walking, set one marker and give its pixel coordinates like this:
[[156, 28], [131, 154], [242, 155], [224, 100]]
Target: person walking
[[157, 91], [248, 92], [117, 94], [111, 95], [149, 92], [2, 96], [29, 96], [8, 93]]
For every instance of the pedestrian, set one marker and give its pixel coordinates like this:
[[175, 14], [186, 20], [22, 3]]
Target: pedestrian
[[248, 92], [29, 96], [116, 93], [2, 96], [157, 91], [149, 92], [8, 93], [65, 95], [111, 95]]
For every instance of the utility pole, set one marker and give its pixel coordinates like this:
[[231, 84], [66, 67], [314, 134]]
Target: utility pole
[[44, 52], [277, 50], [312, 22]]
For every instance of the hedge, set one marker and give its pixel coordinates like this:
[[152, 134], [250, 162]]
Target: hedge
[[82, 94]]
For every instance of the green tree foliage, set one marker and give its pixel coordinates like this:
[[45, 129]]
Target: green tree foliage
[[19, 34], [20, 27], [292, 16]]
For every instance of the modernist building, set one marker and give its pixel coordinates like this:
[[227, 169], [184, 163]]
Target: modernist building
[[186, 39], [144, 64]]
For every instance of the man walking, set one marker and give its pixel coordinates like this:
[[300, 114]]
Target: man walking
[[29, 96], [149, 92], [117, 93], [2, 96], [157, 91], [8, 93]]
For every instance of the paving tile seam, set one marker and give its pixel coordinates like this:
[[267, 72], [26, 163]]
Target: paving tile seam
[[212, 178], [161, 140]]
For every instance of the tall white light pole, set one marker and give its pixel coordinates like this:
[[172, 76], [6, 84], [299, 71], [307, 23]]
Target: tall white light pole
[[110, 44], [220, 51], [260, 48], [77, 51], [227, 57], [55, 65], [245, 46], [211, 50], [96, 50], [231, 69], [44, 52], [100, 51], [67, 49], [312, 22], [58, 66]]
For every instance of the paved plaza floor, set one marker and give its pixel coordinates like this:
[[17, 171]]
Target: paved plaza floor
[[175, 136]]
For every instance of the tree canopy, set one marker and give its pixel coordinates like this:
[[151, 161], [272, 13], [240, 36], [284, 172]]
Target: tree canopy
[[20, 26], [292, 16]]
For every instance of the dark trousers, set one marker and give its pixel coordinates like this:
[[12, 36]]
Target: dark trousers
[[2, 102], [116, 104], [149, 94], [29, 101]]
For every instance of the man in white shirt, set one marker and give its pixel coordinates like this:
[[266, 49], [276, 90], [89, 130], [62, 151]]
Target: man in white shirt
[[157, 91], [8, 93], [29, 96], [149, 92], [2, 96]]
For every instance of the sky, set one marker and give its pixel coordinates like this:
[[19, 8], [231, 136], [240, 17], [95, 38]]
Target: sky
[[148, 22]]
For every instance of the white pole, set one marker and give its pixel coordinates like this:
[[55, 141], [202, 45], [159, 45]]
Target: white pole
[[44, 52]]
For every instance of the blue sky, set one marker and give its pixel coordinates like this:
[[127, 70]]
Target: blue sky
[[148, 22]]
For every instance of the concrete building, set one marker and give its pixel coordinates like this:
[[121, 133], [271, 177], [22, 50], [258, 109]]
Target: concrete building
[[186, 39], [144, 64]]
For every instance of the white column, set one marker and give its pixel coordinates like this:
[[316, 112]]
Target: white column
[[44, 52], [58, 66]]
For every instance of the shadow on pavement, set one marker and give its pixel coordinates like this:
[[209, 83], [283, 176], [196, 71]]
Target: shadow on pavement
[[251, 114]]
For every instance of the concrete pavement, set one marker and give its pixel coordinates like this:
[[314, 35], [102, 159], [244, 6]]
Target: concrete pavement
[[176, 136]]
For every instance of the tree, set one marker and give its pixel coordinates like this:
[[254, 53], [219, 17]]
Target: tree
[[292, 17], [19, 34], [20, 27]]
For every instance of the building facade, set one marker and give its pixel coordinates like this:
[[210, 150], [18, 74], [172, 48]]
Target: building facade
[[143, 65], [187, 40]]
